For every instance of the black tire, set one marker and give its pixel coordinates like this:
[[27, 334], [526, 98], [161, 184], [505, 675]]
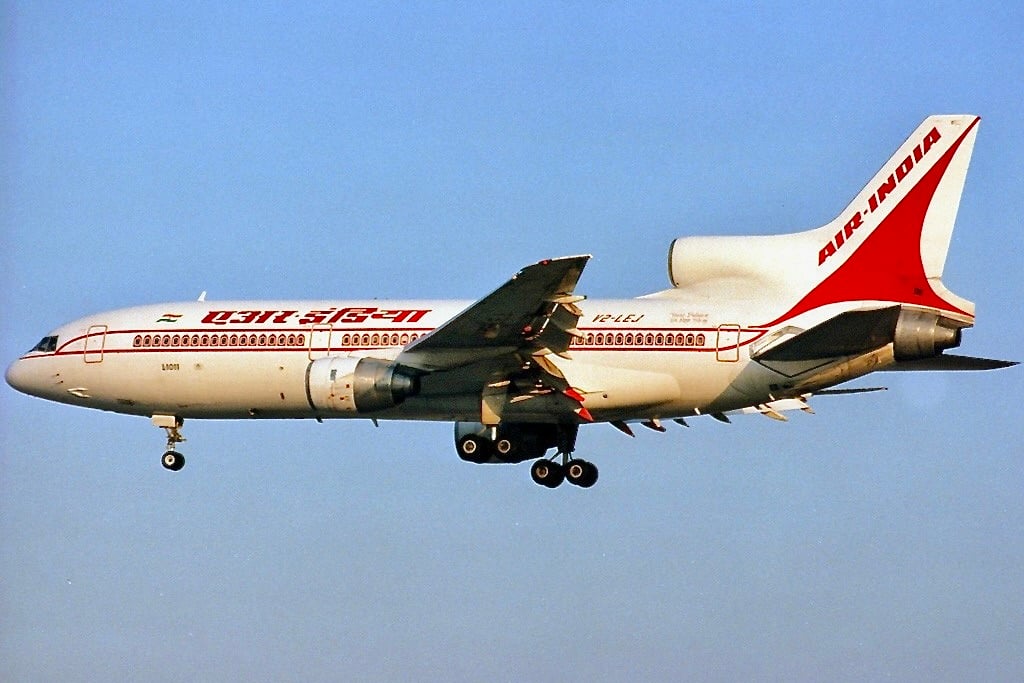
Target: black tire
[[581, 473], [575, 471], [504, 447], [474, 449], [173, 460], [547, 473], [590, 478]]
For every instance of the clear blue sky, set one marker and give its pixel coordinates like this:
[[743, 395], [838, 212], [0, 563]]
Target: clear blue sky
[[152, 151]]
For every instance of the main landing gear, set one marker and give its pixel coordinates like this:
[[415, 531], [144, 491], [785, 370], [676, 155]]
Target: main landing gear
[[551, 473], [172, 459], [519, 442]]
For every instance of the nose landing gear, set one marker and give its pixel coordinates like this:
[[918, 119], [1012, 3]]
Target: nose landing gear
[[172, 459]]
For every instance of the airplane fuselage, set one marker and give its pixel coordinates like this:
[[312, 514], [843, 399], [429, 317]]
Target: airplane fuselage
[[240, 359]]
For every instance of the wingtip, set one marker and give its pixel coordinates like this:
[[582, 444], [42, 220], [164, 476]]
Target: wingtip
[[558, 259]]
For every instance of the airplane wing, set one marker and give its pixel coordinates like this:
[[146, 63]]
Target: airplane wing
[[533, 314]]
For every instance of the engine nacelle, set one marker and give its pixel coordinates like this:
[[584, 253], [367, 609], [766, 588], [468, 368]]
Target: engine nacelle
[[701, 260], [922, 334], [344, 384]]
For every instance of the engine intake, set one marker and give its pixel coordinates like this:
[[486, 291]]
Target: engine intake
[[358, 385], [921, 334]]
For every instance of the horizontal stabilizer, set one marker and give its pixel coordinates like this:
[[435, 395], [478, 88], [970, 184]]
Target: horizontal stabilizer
[[951, 362], [775, 409], [844, 392], [848, 334]]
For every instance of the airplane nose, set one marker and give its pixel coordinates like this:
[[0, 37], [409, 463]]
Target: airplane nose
[[19, 376]]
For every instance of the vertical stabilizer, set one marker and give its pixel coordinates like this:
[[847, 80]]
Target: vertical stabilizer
[[890, 243], [887, 246], [928, 170]]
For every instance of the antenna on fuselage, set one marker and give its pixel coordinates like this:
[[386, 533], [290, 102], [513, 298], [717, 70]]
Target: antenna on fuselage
[[202, 297]]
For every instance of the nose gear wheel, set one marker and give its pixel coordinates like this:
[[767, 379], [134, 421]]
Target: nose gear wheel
[[171, 459]]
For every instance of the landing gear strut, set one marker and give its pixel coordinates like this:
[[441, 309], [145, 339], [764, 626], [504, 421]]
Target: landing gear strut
[[172, 459]]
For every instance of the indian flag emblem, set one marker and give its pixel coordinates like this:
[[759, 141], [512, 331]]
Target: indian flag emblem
[[169, 318]]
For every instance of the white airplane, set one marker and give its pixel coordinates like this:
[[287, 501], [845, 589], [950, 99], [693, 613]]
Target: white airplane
[[750, 325]]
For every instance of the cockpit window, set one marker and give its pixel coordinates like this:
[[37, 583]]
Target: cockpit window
[[46, 345]]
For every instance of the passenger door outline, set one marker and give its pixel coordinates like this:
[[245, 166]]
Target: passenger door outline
[[727, 344], [95, 343], [320, 341]]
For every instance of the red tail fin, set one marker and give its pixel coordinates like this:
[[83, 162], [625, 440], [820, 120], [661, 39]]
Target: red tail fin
[[890, 243]]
